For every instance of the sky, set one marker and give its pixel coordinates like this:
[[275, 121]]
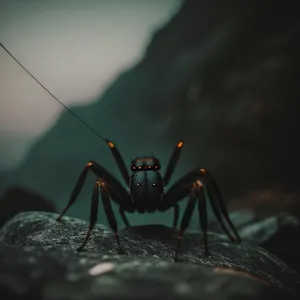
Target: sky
[[75, 48]]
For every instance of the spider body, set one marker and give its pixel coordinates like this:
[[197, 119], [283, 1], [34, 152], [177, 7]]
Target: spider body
[[145, 193], [146, 184]]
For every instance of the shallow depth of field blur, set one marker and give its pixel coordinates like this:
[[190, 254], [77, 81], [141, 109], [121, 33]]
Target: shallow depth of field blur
[[146, 74]]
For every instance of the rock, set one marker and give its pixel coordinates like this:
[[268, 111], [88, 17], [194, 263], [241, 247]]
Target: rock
[[18, 199], [261, 231], [240, 218], [279, 234], [38, 260], [268, 202]]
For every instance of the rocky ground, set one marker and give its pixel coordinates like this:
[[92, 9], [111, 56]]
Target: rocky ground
[[38, 260], [19, 199]]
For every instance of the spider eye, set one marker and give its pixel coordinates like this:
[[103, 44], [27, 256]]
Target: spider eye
[[140, 167], [155, 166], [149, 167]]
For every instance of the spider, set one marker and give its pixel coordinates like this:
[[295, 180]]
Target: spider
[[146, 194], [146, 189]]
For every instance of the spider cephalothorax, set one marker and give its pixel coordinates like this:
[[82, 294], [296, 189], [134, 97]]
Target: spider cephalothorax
[[146, 194], [146, 184]]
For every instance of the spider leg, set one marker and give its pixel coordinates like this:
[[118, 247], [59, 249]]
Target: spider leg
[[119, 160], [215, 195], [185, 222], [118, 193], [202, 210], [176, 215], [123, 216], [197, 193], [172, 163], [75, 191], [183, 187], [102, 187], [93, 214], [216, 209], [109, 211]]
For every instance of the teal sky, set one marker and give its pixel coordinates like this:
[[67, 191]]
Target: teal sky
[[75, 48]]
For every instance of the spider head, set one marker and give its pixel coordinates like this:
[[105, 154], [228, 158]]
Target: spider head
[[145, 164]]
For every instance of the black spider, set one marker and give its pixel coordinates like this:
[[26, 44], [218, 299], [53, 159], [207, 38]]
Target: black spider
[[146, 194], [146, 188]]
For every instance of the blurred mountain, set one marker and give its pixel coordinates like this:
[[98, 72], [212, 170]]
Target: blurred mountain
[[11, 148], [222, 75]]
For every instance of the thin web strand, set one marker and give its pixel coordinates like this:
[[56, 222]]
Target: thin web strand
[[61, 103]]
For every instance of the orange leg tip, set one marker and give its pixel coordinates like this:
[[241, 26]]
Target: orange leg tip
[[110, 144], [179, 145]]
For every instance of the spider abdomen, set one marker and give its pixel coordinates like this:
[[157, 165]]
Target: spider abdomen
[[146, 188]]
